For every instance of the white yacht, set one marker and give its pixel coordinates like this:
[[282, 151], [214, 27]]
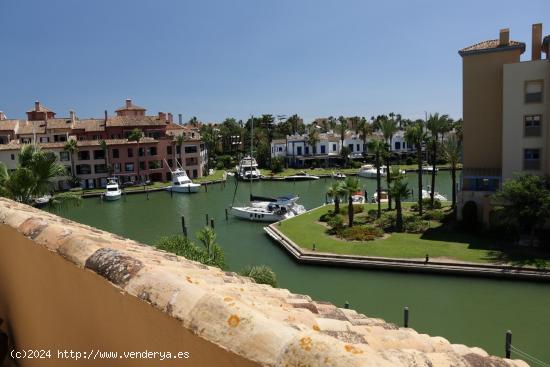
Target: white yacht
[[338, 175], [113, 191], [182, 183], [437, 196], [263, 209], [247, 169], [369, 171], [42, 200], [429, 169], [301, 176]]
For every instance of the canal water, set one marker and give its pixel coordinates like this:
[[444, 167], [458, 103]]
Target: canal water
[[471, 311]]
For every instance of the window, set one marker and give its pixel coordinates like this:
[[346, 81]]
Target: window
[[397, 145], [63, 156], [533, 91], [299, 150], [83, 169], [116, 167], [129, 167], [154, 164], [178, 149], [169, 149], [44, 139], [59, 138], [191, 161], [99, 154], [130, 152], [334, 147], [307, 150], [12, 156], [323, 149], [531, 125], [100, 168], [115, 153], [152, 151], [531, 159], [194, 173], [170, 163], [83, 155], [142, 165], [141, 152], [191, 149], [350, 148], [357, 147]]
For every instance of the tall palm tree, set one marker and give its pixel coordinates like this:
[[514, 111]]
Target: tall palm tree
[[415, 136], [437, 124], [351, 186], [388, 127], [335, 191], [71, 146], [136, 136], [452, 149], [180, 139], [399, 191], [365, 129], [103, 145], [342, 127], [378, 148], [313, 139]]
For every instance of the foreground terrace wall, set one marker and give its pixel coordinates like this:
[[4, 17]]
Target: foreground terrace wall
[[67, 286]]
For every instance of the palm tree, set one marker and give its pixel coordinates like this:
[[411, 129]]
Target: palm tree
[[399, 191], [351, 186], [313, 139], [452, 149], [180, 139], [103, 145], [415, 136], [364, 129], [136, 136], [71, 146], [388, 128], [194, 121], [335, 191], [437, 124], [378, 147], [342, 127]]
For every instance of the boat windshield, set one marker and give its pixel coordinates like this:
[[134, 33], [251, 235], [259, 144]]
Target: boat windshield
[[112, 189]]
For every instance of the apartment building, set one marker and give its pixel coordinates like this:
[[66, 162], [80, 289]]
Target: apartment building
[[506, 109], [151, 158]]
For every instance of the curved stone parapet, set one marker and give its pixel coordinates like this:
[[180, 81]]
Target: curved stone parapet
[[264, 325]]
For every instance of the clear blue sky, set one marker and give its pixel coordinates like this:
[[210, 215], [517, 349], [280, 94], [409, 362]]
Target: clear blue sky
[[216, 59]]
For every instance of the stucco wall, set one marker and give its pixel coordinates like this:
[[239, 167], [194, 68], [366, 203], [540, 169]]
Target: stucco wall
[[514, 110], [69, 286]]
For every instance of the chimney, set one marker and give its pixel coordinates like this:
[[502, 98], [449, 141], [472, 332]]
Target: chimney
[[162, 116], [106, 116], [536, 41], [170, 117], [128, 103], [73, 116], [2, 115], [180, 118], [504, 39], [37, 106]]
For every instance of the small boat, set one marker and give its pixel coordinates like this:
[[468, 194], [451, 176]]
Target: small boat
[[263, 209], [437, 196], [301, 176], [182, 183], [42, 201], [230, 174], [358, 198], [338, 175], [429, 169], [113, 191], [247, 169], [383, 197], [369, 171]]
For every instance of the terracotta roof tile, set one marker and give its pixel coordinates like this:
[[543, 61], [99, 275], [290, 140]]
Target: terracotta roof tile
[[30, 127], [90, 125], [8, 124], [135, 121], [133, 107], [59, 123], [491, 46]]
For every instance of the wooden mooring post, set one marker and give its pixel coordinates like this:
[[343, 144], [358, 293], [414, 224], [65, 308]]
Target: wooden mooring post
[[406, 317], [508, 346]]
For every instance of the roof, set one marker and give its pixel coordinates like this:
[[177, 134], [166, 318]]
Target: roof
[[132, 107], [278, 141], [59, 123], [14, 145], [41, 108], [30, 127], [135, 121], [491, 46], [172, 126], [90, 125], [8, 124]]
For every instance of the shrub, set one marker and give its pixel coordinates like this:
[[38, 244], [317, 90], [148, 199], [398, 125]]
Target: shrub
[[357, 208], [414, 224], [326, 217], [336, 223], [362, 233], [427, 205], [434, 215], [387, 221], [372, 213], [262, 274], [277, 165], [182, 246]]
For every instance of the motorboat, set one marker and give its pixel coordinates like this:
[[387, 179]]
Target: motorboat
[[247, 169], [112, 191], [369, 171], [383, 197], [429, 169], [264, 209], [182, 183], [437, 196], [301, 176], [357, 198], [338, 175], [42, 200]]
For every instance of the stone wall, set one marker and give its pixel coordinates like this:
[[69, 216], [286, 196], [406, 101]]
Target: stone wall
[[64, 285]]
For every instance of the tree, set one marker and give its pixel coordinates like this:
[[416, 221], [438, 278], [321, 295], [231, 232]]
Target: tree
[[342, 127], [262, 274], [364, 129], [436, 125], [399, 190], [71, 146], [388, 127], [335, 191], [351, 186], [104, 148], [136, 136], [378, 148], [193, 121], [452, 149], [415, 136], [231, 132], [526, 201], [33, 178], [313, 139]]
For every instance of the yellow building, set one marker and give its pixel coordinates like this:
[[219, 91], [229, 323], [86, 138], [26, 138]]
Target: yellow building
[[506, 109]]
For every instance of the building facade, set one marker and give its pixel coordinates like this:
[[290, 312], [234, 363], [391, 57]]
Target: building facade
[[151, 158], [506, 109]]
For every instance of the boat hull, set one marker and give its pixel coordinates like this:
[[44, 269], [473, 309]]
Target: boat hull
[[245, 213], [301, 178], [112, 197], [184, 188]]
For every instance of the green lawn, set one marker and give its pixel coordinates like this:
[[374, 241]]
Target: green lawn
[[439, 242]]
